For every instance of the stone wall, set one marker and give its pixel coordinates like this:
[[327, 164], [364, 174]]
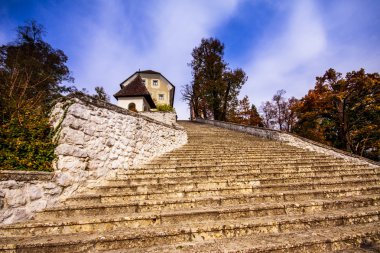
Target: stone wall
[[165, 117], [291, 139], [95, 139], [22, 191]]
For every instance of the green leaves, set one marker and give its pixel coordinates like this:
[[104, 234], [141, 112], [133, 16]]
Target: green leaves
[[24, 143], [164, 108], [215, 87]]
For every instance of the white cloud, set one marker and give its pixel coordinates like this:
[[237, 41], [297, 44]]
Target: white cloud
[[312, 40], [279, 59]]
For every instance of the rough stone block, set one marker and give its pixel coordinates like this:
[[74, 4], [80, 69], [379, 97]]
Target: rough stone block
[[49, 186], [37, 205], [35, 192], [16, 198], [70, 163], [70, 150], [79, 111], [71, 136], [64, 179], [19, 214]]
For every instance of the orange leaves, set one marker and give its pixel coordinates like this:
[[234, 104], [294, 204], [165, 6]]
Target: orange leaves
[[344, 111]]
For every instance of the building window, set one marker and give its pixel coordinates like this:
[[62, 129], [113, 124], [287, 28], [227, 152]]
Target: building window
[[132, 107], [160, 96], [144, 81], [155, 83]]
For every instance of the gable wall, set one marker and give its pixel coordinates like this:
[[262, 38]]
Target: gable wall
[[163, 88], [139, 101]]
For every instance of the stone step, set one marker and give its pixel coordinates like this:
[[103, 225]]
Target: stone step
[[125, 186], [218, 148], [221, 191], [341, 239], [187, 216], [250, 157], [246, 160], [230, 171], [98, 208], [363, 246], [156, 168], [225, 191], [240, 152], [136, 179], [201, 231]]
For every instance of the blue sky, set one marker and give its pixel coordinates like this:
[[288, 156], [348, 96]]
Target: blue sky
[[281, 44]]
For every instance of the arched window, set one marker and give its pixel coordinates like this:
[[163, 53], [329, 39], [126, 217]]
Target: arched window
[[132, 107]]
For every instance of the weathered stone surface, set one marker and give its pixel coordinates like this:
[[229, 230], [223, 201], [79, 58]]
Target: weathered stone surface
[[49, 186], [15, 198], [38, 205], [35, 192], [64, 179], [165, 117], [20, 214], [70, 150]]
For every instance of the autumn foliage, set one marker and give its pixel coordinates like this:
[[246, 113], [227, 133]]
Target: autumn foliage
[[343, 112]]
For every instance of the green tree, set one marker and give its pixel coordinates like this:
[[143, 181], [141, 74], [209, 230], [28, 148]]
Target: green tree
[[31, 73], [101, 94], [214, 87]]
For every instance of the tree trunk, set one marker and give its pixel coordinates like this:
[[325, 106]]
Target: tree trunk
[[224, 112]]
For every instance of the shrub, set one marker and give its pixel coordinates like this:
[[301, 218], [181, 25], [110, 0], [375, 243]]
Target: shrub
[[25, 143], [165, 108]]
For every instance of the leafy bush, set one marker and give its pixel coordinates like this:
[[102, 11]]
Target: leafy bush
[[25, 143], [165, 108]]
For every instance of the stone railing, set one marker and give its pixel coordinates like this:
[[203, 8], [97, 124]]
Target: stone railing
[[94, 139], [291, 139], [165, 117]]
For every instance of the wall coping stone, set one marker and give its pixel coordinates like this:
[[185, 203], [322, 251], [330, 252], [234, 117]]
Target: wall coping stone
[[22, 175], [275, 134], [88, 100]]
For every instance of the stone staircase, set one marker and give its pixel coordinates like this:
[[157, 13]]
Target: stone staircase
[[222, 192]]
